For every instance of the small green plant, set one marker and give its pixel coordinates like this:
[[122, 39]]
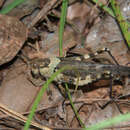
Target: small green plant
[[70, 99], [62, 24], [116, 13], [110, 122], [104, 7], [123, 24], [73, 107], [12, 5]]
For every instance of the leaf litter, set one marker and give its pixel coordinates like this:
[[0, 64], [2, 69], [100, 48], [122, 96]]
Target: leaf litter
[[31, 29]]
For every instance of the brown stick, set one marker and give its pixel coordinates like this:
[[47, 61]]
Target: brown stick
[[43, 12]]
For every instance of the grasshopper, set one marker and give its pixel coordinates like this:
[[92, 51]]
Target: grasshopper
[[85, 72], [82, 72]]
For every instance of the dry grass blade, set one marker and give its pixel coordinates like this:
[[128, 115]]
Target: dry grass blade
[[20, 117]]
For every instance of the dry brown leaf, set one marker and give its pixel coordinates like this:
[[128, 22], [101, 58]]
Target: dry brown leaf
[[13, 34]]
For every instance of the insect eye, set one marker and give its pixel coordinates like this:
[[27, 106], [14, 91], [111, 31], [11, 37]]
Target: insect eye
[[46, 62], [35, 65]]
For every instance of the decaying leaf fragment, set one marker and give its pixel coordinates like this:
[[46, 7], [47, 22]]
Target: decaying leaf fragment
[[13, 34]]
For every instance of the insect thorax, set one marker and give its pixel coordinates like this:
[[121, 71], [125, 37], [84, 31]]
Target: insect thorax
[[44, 69]]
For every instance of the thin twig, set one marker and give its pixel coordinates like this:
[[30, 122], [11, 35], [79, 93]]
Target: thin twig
[[43, 12]]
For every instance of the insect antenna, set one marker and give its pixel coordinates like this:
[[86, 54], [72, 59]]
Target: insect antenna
[[24, 58]]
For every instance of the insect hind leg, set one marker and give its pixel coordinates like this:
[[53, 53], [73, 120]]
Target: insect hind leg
[[112, 99], [109, 52], [100, 51]]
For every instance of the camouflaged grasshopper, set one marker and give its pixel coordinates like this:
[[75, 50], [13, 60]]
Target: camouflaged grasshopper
[[81, 72]]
